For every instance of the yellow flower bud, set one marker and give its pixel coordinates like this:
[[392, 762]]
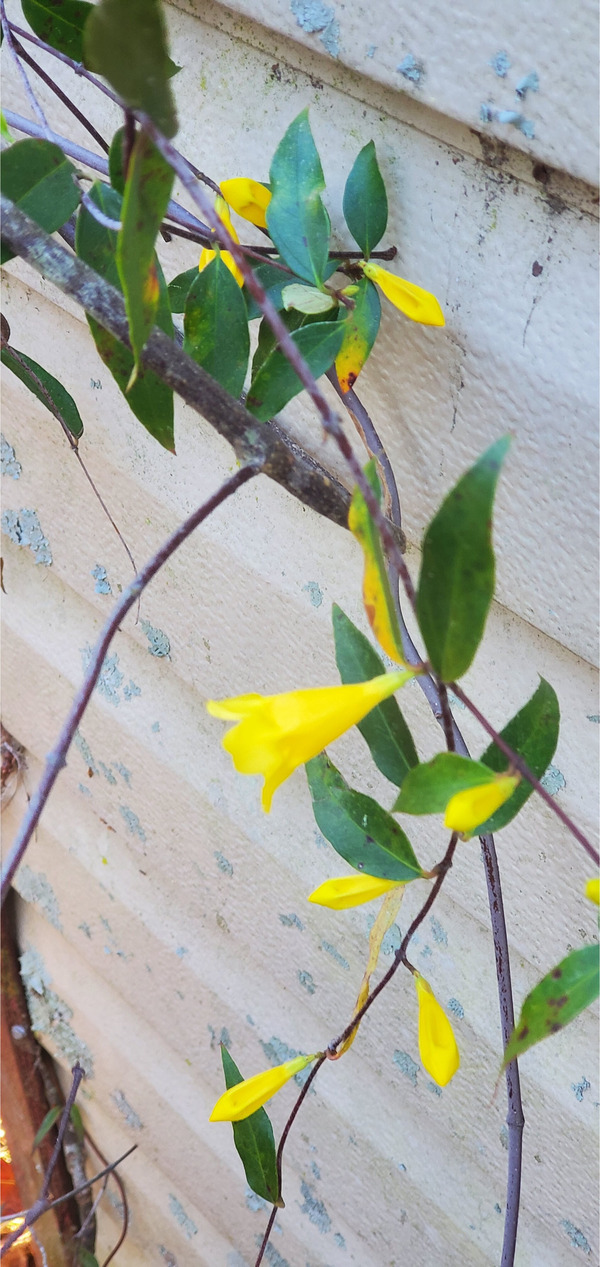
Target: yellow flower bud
[[351, 890], [207, 255], [414, 302], [592, 891], [248, 198], [467, 810], [248, 1096], [437, 1044]]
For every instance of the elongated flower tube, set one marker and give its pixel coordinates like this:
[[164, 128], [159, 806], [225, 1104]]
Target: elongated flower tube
[[277, 733], [248, 1096], [437, 1044], [420, 305], [207, 255], [248, 198], [592, 891], [350, 890], [468, 809]]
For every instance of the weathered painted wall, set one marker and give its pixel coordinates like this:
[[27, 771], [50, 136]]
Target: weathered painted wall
[[160, 910]]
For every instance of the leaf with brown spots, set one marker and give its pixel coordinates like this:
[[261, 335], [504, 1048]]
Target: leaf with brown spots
[[549, 1007]]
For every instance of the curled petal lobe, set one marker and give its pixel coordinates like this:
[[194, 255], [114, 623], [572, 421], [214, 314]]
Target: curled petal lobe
[[437, 1044], [248, 1096], [420, 305], [277, 733], [350, 890], [248, 198], [592, 891], [207, 255], [466, 810]]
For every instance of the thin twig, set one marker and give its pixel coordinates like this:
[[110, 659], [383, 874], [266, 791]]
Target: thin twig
[[77, 1072], [57, 758], [123, 1195], [7, 32], [77, 67], [62, 96], [66, 1196], [446, 716]]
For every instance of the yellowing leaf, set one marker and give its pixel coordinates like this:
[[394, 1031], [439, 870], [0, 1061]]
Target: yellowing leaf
[[420, 305], [385, 917], [350, 890], [377, 595], [361, 327]]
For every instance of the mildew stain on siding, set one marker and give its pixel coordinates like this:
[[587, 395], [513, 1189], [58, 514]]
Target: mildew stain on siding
[[35, 887], [24, 528], [50, 1014], [8, 461]]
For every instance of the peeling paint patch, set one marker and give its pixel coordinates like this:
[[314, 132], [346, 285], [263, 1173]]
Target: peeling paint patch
[[392, 939], [131, 690], [155, 727], [253, 1202], [456, 1007], [553, 780], [292, 921], [35, 887], [224, 1038], [313, 16], [406, 1065], [80, 743], [339, 1240], [320, 840], [125, 1109], [223, 863], [594, 717], [82, 788], [371, 50], [529, 83], [272, 1255], [158, 643], [503, 1133], [580, 1087], [186, 1224], [234, 1259], [51, 1015], [8, 462], [489, 114], [439, 933], [454, 701], [123, 771], [314, 1208], [169, 1258], [335, 954], [181, 951], [108, 774], [23, 527], [132, 822], [576, 1237], [433, 1086], [110, 679], [411, 69], [315, 1170], [85, 928], [307, 981], [103, 585], [314, 591], [500, 63]]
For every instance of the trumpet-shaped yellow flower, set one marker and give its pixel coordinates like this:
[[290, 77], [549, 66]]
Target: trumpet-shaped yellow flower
[[277, 733], [592, 891], [248, 1096], [468, 809], [437, 1044], [351, 890], [207, 255], [420, 305], [248, 197]]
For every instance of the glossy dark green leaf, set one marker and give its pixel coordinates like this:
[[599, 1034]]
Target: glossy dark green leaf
[[51, 1117], [59, 23], [533, 734], [557, 999], [456, 584], [362, 327], [39, 179], [267, 341], [297, 221], [115, 162], [180, 287], [276, 382], [365, 201], [359, 829], [384, 728], [147, 192], [216, 326], [60, 404], [126, 42], [273, 280], [255, 1143], [429, 786], [149, 399]]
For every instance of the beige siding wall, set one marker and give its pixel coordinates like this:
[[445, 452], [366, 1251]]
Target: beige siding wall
[[160, 909]]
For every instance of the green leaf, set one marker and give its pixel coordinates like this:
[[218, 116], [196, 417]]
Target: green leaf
[[297, 221], [125, 41], [39, 179], [557, 999], [147, 192], [362, 327], [179, 288], [273, 280], [77, 1122], [51, 1117], [429, 786], [533, 734], [216, 326], [377, 594], [267, 342], [59, 23], [276, 382], [456, 584], [61, 403], [384, 728], [365, 201], [149, 399], [359, 829], [5, 131], [254, 1140], [85, 1258], [115, 162]]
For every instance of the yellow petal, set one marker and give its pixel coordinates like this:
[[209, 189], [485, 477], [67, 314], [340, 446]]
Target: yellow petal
[[350, 890], [468, 809], [277, 733], [248, 197], [592, 891], [420, 305], [248, 1096], [207, 254], [437, 1044]]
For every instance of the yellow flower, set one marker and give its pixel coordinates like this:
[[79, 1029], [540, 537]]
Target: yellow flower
[[437, 1044], [416, 303], [207, 255], [468, 809], [351, 890], [277, 733], [248, 197], [248, 1096], [592, 890]]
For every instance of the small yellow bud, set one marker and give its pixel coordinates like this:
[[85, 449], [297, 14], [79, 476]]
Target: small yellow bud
[[207, 255], [437, 1044], [248, 1096], [351, 890], [420, 305], [467, 810], [592, 891], [248, 198]]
